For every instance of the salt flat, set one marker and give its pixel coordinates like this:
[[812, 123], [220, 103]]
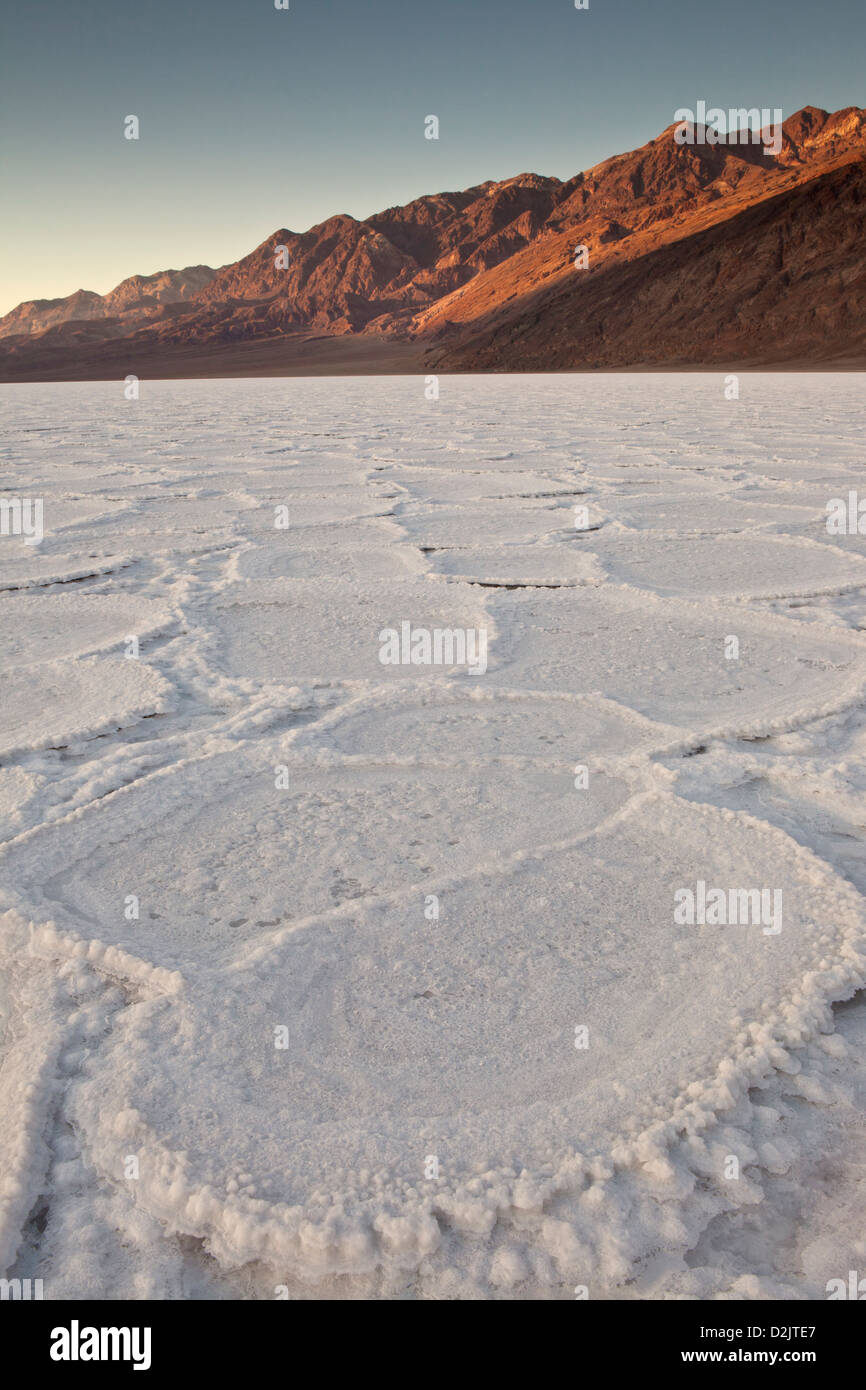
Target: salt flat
[[345, 976]]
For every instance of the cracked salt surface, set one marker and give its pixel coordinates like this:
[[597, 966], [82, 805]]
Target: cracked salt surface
[[428, 883]]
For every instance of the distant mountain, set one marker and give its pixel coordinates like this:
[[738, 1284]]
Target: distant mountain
[[132, 302], [696, 253]]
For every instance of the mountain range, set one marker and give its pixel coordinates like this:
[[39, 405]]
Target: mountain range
[[694, 254]]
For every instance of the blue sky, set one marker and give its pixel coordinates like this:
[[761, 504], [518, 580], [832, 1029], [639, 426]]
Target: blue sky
[[254, 118]]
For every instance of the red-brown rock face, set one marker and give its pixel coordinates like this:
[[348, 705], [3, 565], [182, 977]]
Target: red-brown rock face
[[695, 253]]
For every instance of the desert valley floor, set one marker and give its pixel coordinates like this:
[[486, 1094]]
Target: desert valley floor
[[329, 977]]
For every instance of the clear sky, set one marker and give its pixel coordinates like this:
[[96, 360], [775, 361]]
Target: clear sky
[[254, 118]]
